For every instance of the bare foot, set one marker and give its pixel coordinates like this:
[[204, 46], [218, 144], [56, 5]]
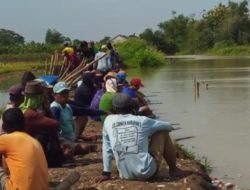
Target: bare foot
[[92, 138]]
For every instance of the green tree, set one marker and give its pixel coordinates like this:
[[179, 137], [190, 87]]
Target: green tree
[[105, 40], [8, 37], [54, 37]]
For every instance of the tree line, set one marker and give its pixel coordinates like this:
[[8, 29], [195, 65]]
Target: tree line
[[223, 26]]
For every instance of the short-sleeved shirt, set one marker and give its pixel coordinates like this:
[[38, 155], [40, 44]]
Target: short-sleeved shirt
[[129, 91], [25, 160]]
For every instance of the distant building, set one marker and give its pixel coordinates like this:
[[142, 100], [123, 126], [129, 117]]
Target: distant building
[[118, 39]]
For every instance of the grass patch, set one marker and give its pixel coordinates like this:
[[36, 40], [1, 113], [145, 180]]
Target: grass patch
[[202, 160], [20, 66], [230, 50]]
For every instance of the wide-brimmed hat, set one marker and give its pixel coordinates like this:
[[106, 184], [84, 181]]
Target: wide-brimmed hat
[[33, 88], [60, 87], [109, 75], [122, 100]]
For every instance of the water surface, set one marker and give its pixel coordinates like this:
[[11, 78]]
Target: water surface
[[218, 119]]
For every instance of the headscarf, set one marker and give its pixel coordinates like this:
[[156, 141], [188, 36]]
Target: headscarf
[[31, 102], [111, 85]]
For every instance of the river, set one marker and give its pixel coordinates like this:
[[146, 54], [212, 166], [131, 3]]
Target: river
[[218, 118]]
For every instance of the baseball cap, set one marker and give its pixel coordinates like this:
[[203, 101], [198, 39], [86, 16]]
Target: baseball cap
[[122, 100], [60, 86], [121, 76], [16, 89], [136, 82]]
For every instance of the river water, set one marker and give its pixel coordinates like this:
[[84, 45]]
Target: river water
[[218, 119]]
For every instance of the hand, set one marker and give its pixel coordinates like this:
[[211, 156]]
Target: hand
[[102, 178]]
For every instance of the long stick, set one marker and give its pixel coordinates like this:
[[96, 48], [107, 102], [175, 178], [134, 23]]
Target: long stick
[[62, 67], [46, 66], [184, 138], [79, 66], [54, 63], [51, 63], [65, 72], [74, 71], [88, 65]]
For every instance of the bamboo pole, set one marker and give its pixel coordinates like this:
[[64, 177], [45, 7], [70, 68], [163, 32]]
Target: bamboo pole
[[62, 67], [51, 63], [88, 65], [74, 71], [46, 66], [75, 80], [54, 63], [65, 72]]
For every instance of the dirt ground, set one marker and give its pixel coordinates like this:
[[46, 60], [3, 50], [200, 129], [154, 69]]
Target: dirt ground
[[90, 166]]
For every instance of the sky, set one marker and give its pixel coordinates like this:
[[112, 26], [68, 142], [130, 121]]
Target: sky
[[93, 19]]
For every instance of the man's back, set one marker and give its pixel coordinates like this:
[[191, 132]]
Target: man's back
[[127, 136], [25, 160]]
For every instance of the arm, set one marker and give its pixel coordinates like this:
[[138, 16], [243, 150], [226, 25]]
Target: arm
[[106, 153], [36, 122], [78, 111], [55, 113], [154, 125]]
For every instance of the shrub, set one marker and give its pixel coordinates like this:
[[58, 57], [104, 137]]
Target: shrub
[[137, 53]]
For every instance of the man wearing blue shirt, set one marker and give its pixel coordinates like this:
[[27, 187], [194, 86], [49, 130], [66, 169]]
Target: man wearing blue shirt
[[126, 137]]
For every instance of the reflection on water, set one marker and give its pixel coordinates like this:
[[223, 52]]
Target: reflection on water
[[219, 118]]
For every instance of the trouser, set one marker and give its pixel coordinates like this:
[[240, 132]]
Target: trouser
[[68, 147], [80, 123], [161, 147], [3, 178]]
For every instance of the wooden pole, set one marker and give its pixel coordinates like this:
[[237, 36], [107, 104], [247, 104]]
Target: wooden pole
[[51, 63], [46, 66], [62, 67], [198, 89], [74, 71], [194, 89], [54, 63], [85, 67]]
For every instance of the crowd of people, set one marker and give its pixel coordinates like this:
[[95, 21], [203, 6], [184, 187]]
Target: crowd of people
[[87, 52], [43, 126]]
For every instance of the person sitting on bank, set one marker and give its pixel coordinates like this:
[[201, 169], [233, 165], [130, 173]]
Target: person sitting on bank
[[38, 123], [16, 97], [127, 137], [62, 112], [106, 99], [23, 156], [133, 91]]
